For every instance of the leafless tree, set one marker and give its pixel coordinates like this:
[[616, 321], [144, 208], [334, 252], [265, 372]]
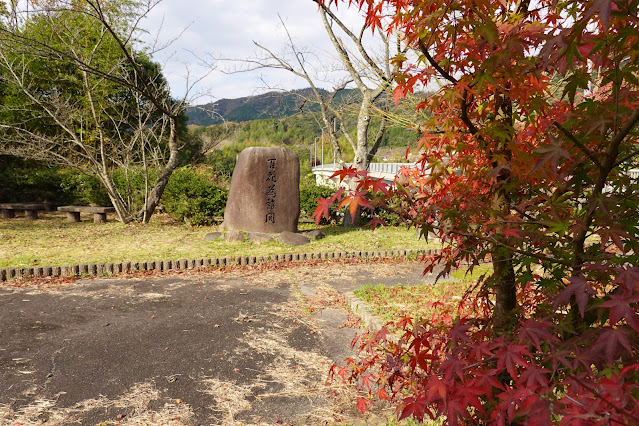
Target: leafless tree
[[84, 126], [367, 66]]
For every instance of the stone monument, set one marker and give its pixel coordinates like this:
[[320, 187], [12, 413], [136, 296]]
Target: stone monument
[[265, 191]]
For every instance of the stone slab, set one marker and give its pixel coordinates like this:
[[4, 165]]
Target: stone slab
[[259, 238], [235, 236], [293, 239], [86, 209], [264, 195], [315, 234], [213, 236]]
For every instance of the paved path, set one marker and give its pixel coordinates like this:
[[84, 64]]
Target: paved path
[[251, 345]]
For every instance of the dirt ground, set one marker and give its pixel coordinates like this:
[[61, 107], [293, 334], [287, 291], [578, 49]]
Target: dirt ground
[[245, 345]]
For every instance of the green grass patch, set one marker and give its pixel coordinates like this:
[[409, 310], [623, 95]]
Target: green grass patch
[[52, 241], [391, 303]]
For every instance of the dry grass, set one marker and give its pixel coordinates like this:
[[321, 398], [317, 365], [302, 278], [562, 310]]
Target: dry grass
[[135, 403], [51, 241]]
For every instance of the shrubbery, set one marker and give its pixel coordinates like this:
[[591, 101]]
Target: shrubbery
[[222, 161], [26, 181], [309, 193], [191, 195], [81, 189]]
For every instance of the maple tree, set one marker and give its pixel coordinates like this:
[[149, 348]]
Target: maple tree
[[527, 163]]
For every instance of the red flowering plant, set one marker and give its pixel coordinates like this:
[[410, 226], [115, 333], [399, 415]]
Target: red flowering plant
[[527, 162]]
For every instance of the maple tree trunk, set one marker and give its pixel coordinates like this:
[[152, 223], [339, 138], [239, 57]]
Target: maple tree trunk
[[505, 289], [353, 221], [502, 257]]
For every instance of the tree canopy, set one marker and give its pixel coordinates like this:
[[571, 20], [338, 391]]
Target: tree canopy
[[79, 92], [525, 163]]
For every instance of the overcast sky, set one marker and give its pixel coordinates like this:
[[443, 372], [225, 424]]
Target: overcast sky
[[227, 28]]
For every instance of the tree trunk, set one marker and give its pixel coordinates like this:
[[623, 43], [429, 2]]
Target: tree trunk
[[502, 257], [505, 288], [155, 195], [361, 160], [354, 220], [120, 209]]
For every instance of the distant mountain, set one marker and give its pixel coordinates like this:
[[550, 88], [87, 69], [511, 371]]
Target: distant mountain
[[267, 105]]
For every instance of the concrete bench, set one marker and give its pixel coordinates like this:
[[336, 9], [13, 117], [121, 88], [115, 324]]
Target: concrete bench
[[8, 210], [99, 213]]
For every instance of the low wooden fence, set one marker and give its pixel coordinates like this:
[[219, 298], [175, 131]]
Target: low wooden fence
[[107, 269]]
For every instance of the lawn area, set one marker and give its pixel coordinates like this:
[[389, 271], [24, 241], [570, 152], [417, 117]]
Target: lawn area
[[391, 303], [52, 241]]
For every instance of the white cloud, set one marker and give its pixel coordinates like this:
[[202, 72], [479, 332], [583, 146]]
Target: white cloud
[[227, 28]]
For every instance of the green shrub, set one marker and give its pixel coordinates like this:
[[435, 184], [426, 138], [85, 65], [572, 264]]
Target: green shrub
[[191, 195], [131, 184], [81, 189], [28, 181], [309, 193], [222, 161]]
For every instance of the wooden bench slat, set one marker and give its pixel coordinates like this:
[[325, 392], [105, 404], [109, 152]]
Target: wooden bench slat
[[30, 209], [99, 212], [86, 209], [23, 206]]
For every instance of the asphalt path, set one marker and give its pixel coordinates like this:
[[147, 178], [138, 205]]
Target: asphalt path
[[245, 345]]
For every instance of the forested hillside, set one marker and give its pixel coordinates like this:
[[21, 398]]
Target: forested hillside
[[303, 129], [267, 105], [278, 118]]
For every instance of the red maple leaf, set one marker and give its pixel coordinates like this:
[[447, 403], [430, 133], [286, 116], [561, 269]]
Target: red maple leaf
[[341, 371], [366, 381], [534, 377], [376, 185], [511, 399], [344, 172], [479, 350], [458, 333], [578, 288], [536, 332], [511, 232], [620, 308], [375, 222], [436, 390], [348, 172], [536, 410], [363, 403], [382, 394], [322, 209], [486, 381], [629, 277], [610, 340], [603, 7], [559, 358], [415, 407], [398, 94], [355, 200], [510, 356], [615, 234], [552, 152]]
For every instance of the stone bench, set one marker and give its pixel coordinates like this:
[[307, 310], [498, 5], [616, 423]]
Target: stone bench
[[99, 213], [7, 210]]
